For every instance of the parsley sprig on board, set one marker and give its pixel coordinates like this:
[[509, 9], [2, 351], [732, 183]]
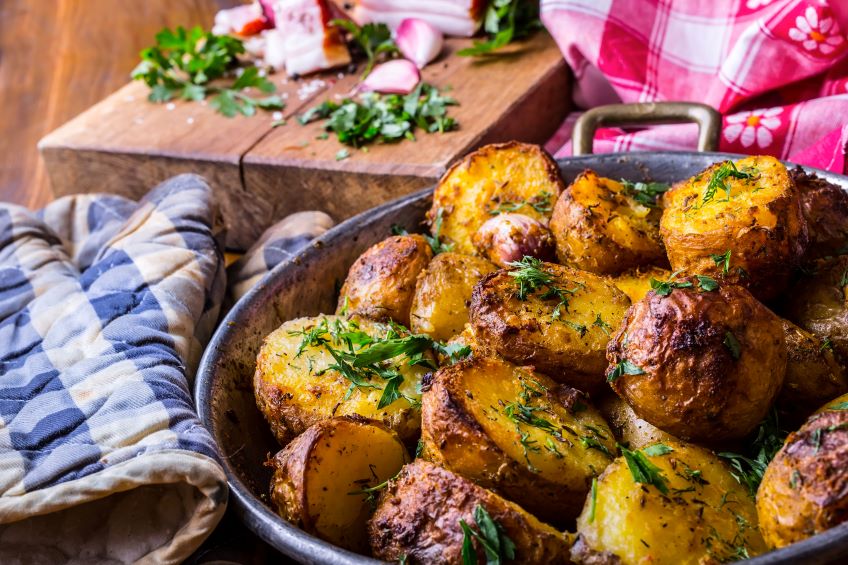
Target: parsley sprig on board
[[490, 535], [184, 64], [505, 21], [385, 118]]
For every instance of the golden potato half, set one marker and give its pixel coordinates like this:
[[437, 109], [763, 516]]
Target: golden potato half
[[825, 208], [536, 442], [750, 208], [599, 227], [381, 282], [298, 381], [322, 479], [421, 513], [805, 487], [505, 177], [701, 365], [443, 292], [684, 508], [636, 283], [560, 324]]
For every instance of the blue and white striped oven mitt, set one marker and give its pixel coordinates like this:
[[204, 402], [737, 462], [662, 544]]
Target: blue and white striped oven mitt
[[105, 306]]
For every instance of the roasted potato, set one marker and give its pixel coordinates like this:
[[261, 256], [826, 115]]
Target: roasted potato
[[805, 488], [442, 293], [507, 238], [505, 177], [297, 381], [381, 282], [701, 365], [813, 376], [686, 508], [628, 428], [636, 283], [535, 442], [825, 208], [420, 514], [817, 302], [321, 478], [750, 208], [599, 227], [555, 318]]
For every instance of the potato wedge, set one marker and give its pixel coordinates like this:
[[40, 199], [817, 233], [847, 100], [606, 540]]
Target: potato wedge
[[381, 282], [636, 283], [630, 430], [321, 478], [560, 327], [505, 177], [703, 516], [443, 292], [531, 440], [420, 515], [825, 208], [599, 227], [298, 382], [805, 487], [757, 217], [701, 365]]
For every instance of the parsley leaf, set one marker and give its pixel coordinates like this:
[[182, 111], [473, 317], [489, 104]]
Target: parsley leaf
[[705, 283], [643, 471], [732, 344], [839, 406], [719, 178], [541, 203], [664, 288], [645, 193], [623, 367], [748, 468], [722, 261], [435, 240], [657, 449], [455, 352], [498, 546], [530, 277]]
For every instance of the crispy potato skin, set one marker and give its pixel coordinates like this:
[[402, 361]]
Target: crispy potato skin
[[381, 282], [692, 387], [635, 523], [805, 488], [636, 283], [293, 397], [467, 429], [813, 376], [600, 229], [761, 223], [817, 303], [442, 293], [314, 474], [496, 174], [525, 332], [419, 513], [628, 428], [825, 208]]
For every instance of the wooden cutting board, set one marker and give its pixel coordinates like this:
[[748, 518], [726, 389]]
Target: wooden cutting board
[[261, 173]]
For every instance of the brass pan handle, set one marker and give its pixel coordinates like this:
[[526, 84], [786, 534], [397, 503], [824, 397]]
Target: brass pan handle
[[647, 113]]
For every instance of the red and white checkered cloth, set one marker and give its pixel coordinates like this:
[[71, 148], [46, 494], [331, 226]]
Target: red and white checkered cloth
[[776, 70]]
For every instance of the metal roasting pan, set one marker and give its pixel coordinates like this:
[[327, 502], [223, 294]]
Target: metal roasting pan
[[307, 285]]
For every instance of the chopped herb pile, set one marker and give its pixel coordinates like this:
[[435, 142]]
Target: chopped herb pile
[[490, 535], [183, 64], [748, 468], [719, 180], [372, 40], [645, 193], [541, 203], [385, 118], [530, 277], [505, 21]]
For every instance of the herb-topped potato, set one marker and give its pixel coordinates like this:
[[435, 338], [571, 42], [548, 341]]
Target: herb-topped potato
[[536, 442], [428, 515], [505, 177], [311, 369], [825, 208], [605, 226], [636, 283], [805, 488], [701, 361], [381, 282], [668, 503], [749, 210]]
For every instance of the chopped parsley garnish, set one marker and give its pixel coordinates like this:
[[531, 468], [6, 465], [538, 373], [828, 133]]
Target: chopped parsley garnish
[[722, 261], [505, 20], [705, 283], [719, 180], [518, 412], [664, 288], [590, 442], [643, 471], [826, 344], [530, 277], [541, 203], [373, 40], [732, 345], [748, 468], [490, 535], [645, 193], [839, 406], [593, 497], [600, 323], [657, 449], [371, 493], [435, 240], [623, 367], [579, 328], [843, 281], [455, 352]]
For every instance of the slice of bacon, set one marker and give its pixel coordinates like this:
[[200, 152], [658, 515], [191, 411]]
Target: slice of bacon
[[304, 39], [245, 20], [453, 17]]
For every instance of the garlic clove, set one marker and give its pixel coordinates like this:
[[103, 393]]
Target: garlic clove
[[398, 76], [419, 41], [510, 237]]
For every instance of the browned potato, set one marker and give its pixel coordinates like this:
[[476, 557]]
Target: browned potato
[[825, 208], [701, 365], [629, 429], [442, 293], [817, 302], [505, 177], [381, 282], [555, 318], [296, 387], [805, 488], [420, 515], [507, 238], [517, 432], [599, 227], [320, 478], [813, 375], [704, 515], [637, 282], [758, 218]]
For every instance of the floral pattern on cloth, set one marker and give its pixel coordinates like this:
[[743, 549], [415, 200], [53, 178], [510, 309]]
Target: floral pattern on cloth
[[776, 70]]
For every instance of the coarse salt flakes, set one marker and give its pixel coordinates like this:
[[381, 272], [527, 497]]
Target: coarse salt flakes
[[189, 120], [277, 116], [170, 106]]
